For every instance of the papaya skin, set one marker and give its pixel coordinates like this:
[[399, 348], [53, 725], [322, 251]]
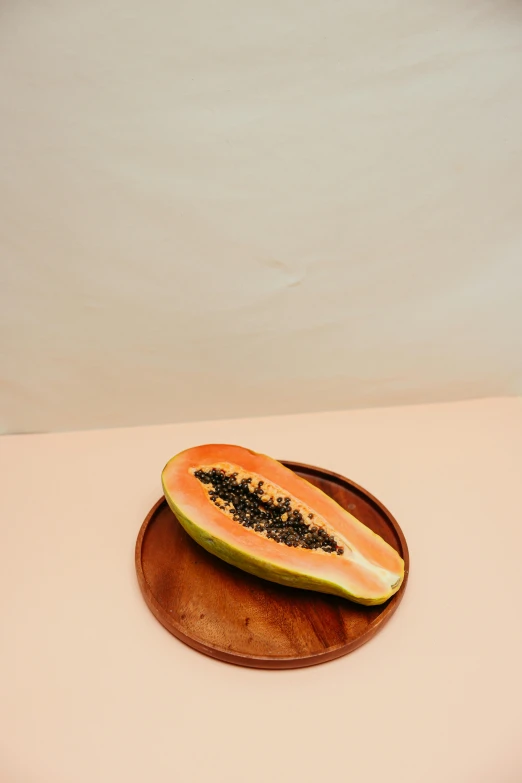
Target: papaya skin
[[263, 569]]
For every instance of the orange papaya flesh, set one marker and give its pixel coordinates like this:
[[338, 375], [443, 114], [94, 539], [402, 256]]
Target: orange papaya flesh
[[256, 514]]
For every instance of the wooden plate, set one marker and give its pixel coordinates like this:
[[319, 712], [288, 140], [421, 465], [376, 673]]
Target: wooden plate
[[235, 617]]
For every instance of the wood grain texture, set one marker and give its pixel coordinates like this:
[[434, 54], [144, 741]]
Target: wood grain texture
[[238, 618]]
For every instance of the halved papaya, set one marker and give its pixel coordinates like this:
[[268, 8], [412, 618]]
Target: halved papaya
[[256, 514]]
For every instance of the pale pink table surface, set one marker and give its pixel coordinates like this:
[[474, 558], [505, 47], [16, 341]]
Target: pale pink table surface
[[94, 690]]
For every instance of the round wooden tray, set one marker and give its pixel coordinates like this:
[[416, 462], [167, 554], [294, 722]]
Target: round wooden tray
[[235, 617]]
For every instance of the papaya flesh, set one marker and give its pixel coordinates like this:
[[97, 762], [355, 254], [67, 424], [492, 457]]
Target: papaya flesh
[[256, 514]]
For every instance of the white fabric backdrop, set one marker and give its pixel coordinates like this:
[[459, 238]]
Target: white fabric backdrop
[[239, 208]]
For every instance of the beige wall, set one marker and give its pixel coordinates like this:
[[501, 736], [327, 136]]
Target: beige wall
[[218, 209]]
